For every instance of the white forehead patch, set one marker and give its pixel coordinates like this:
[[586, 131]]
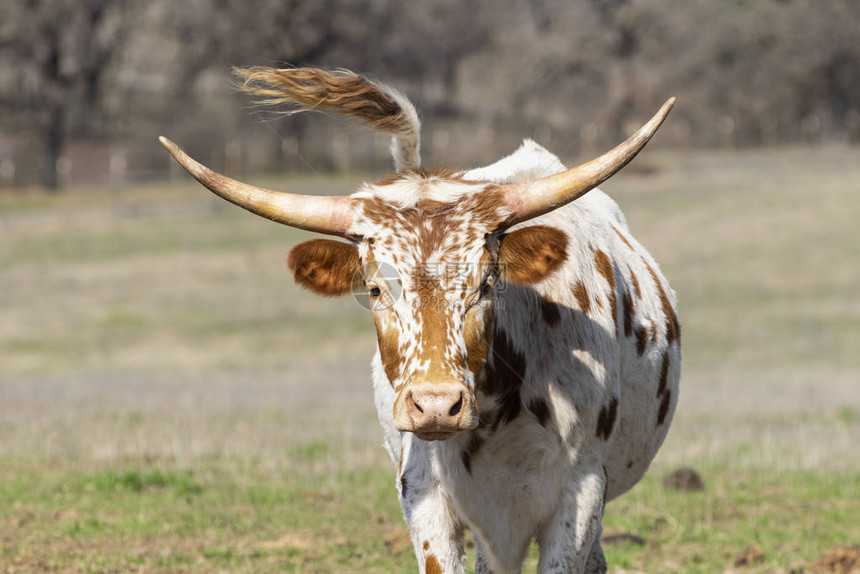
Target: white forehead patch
[[413, 188]]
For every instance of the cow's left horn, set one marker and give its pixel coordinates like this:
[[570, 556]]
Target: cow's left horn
[[528, 200], [331, 215]]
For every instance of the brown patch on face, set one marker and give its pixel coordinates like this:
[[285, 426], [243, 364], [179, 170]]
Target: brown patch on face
[[673, 326], [604, 267], [389, 350], [582, 296], [474, 444], [540, 409], [431, 565], [426, 545], [621, 236], [505, 377], [664, 408], [477, 333], [550, 312], [530, 254], [326, 267], [606, 419]]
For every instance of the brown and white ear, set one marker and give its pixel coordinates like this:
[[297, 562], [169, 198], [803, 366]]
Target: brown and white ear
[[531, 254], [326, 267]]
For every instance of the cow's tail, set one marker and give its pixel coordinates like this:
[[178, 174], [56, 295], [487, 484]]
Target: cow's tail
[[341, 93]]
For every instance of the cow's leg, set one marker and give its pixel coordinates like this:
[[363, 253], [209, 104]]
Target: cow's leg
[[482, 562], [436, 531], [566, 541], [596, 563]]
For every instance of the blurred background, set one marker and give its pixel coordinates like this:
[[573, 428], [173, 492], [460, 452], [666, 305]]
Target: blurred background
[[86, 85], [170, 401]]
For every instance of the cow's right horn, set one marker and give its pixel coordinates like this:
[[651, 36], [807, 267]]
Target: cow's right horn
[[529, 200], [331, 215]]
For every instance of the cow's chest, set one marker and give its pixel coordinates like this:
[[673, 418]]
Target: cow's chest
[[512, 476]]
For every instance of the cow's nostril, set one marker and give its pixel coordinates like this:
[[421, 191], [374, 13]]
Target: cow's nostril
[[457, 406], [410, 403]]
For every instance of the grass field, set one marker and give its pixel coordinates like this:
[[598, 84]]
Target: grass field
[[170, 401]]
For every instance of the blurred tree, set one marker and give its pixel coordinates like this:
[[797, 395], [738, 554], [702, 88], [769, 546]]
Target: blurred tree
[[57, 54]]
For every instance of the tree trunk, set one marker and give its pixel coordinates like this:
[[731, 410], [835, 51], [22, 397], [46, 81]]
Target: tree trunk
[[55, 132]]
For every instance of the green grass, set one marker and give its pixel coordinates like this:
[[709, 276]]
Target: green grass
[[234, 514]]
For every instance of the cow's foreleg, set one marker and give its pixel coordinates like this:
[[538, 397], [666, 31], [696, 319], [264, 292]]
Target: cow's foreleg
[[567, 540], [436, 531]]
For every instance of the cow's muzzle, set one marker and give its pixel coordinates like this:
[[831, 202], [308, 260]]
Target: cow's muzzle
[[435, 411]]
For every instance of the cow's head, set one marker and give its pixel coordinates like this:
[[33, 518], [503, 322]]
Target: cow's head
[[427, 249]]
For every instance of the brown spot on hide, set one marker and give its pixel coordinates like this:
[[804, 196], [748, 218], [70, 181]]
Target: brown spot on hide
[[664, 408], [326, 267], [673, 327], [530, 254], [426, 545], [643, 333], [605, 268], [606, 419], [664, 373], [550, 312], [635, 280], [540, 409], [505, 377], [583, 299], [627, 312], [474, 444], [431, 566], [624, 239]]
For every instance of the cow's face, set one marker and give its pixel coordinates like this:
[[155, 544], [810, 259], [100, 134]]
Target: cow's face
[[430, 263], [442, 238]]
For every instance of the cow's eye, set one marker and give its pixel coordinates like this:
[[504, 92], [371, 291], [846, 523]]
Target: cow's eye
[[485, 289], [375, 291]]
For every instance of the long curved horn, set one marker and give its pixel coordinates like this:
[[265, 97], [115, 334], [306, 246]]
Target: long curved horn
[[529, 200], [331, 215]]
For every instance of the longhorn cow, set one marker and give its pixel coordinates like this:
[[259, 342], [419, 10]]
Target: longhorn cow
[[528, 346]]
